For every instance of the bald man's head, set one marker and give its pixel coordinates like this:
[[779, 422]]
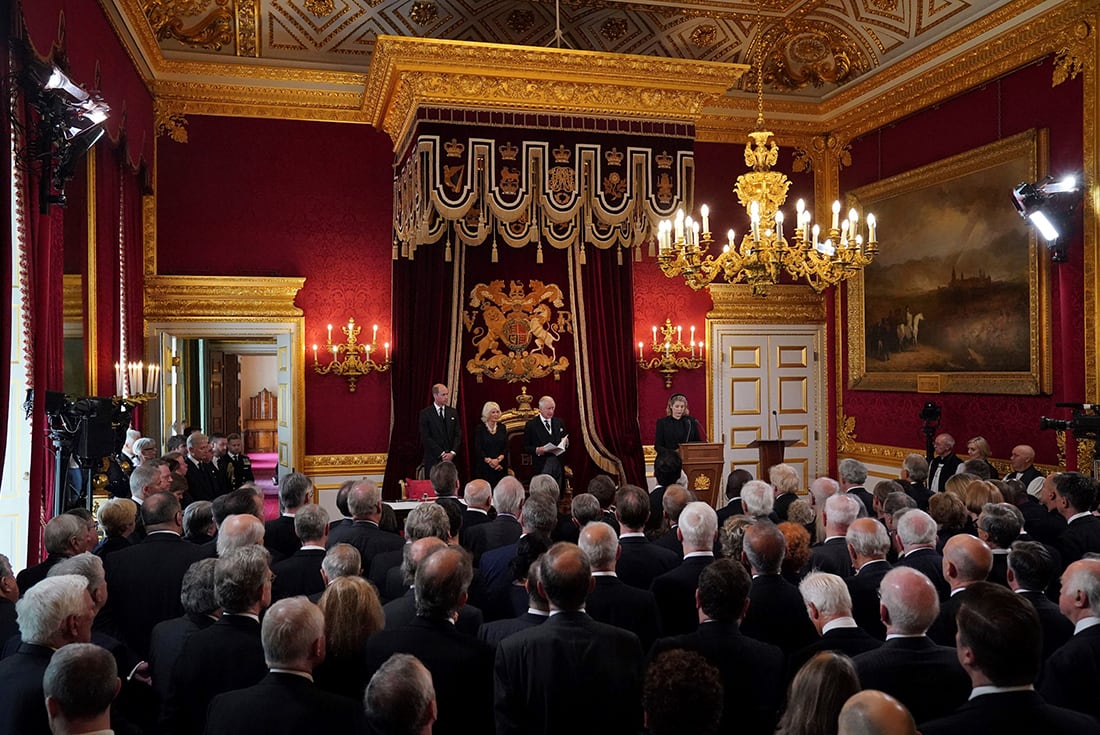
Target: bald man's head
[[966, 559], [909, 601], [872, 712]]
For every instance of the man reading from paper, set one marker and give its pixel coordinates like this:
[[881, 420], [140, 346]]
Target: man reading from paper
[[545, 439]]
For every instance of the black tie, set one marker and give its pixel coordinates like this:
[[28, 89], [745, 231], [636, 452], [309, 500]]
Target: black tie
[[547, 422], [441, 416]]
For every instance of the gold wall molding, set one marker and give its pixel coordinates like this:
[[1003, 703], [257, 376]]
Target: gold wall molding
[[149, 234], [784, 304], [321, 465], [218, 298], [169, 120], [72, 294], [1091, 215], [882, 454], [408, 72]]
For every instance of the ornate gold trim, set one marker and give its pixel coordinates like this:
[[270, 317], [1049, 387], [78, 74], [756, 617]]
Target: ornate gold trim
[[91, 287], [784, 304], [649, 453], [221, 298], [72, 293], [408, 72], [883, 454], [322, 465], [1091, 218], [845, 432], [1086, 454], [149, 234]]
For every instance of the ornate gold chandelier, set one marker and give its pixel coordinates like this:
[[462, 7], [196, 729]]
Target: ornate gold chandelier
[[821, 258]]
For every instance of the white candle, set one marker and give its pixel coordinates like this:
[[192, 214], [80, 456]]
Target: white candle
[[314, 354], [836, 214], [387, 346], [693, 348], [730, 235], [654, 334], [679, 225], [695, 233], [679, 334], [700, 350], [374, 336], [779, 225], [693, 334], [704, 211], [640, 354], [871, 228], [329, 334]]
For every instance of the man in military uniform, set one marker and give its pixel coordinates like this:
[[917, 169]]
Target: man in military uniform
[[238, 467]]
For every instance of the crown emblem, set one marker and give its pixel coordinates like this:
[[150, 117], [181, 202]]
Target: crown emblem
[[454, 148], [664, 160], [508, 151], [613, 157], [562, 154]]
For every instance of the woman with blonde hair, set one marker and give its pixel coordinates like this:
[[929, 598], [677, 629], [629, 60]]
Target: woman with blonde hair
[[818, 692], [957, 484], [353, 613], [677, 426], [490, 446], [949, 513], [977, 448]]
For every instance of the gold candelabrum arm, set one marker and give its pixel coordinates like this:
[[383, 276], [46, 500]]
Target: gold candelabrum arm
[[351, 360], [669, 357]]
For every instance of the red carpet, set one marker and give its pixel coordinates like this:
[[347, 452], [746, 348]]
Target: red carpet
[[263, 469]]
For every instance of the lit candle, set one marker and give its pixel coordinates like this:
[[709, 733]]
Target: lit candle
[[871, 228], [314, 354], [374, 336], [118, 379], [730, 236], [700, 350], [704, 211], [351, 325], [695, 234], [679, 334], [844, 234], [836, 214], [330, 334], [689, 228], [387, 348], [693, 334], [816, 231], [853, 217], [693, 348], [779, 225], [640, 354], [654, 334], [679, 225]]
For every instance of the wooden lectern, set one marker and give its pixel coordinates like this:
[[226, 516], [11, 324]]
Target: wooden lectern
[[703, 465], [771, 453]]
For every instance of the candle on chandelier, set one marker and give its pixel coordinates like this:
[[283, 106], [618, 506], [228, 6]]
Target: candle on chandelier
[[693, 348], [693, 334], [351, 326], [870, 228], [118, 379], [779, 225], [314, 354], [654, 334], [679, 334], [689, 228], [704, 211], [700, 350], [679, 225], [844, 234], [387, 348], [731, 236], [640, 354], [330, 334], [836, 214], [374, 336]]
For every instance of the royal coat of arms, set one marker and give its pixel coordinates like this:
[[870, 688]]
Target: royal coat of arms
[[515, 332]]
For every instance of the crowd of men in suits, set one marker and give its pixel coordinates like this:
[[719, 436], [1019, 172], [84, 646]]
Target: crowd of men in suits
[[503, 610]]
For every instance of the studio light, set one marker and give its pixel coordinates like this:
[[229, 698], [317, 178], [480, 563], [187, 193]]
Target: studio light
[[1048, 204]]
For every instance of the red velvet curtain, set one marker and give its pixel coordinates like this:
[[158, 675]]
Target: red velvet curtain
[[423, 301], [6, 19], [608, 374], [133, 291], [108, 177]]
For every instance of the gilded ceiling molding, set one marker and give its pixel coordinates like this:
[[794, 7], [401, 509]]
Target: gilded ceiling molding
[[242, 100], [321, 465], [211, 31], [169, 120], [408, 72], [1074, 58], [248, 28], [785, 304], [221, 298]]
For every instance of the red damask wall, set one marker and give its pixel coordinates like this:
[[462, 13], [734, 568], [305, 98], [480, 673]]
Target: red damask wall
[[278, 198], [1015, 103]]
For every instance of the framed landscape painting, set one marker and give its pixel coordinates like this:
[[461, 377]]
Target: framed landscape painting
[[957, 299]]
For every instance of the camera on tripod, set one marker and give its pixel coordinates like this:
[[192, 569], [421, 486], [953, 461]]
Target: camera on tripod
[[1085, 423]]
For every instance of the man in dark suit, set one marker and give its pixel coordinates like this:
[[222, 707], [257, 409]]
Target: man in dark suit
[[65, 536], [914, 474], [853, 474], [479, 501], [667, 468], [504, 529], [785, 479], [871, 712], [752, 672], [999, 648], [675, 589], [868, 543], [675, 500], [286, 702], [640, 560], [916, 535], [538, 611], [203, 480], [424, 521], [300, 574], [537, 520], [365, 503], [145, 579], [909, 660], [1074, 495], [238, 466], [1042, 521], [610, 600], [830, 609], [79, 684], [1023, 467], [227, 655], [295, 491], [200, 611], [400, 697], [966, 561], [1070, 676], [9, 593], [539, 669], [401, 611], [545, 430], [777, 614], [55, 612], [999, 525], [461, 666], [733, 506], [944, 463], [1030, 571], [831, 555], [440, 429]]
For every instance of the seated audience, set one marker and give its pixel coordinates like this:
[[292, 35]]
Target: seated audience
[[682, 693], [830, 609], [400, 698], [872, 712], [675, 589], [817, 694], [1071, 676], [1030, 571], [640, 560], [118, 517], [79, 684], [352, 615]]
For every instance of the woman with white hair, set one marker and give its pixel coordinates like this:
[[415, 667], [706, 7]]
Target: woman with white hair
[[490, 446], [144, 450]]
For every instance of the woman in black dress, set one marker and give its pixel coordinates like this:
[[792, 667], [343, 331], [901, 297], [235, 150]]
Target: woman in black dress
[[490, 446], [677, 427]]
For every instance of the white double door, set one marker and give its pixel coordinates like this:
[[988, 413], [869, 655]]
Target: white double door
[[770, 383]]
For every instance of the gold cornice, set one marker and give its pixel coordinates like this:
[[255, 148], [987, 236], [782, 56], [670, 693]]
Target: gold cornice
[[882, 454], [219, 298], [408, 72], [321, 465], [784, 304], [238, 99]]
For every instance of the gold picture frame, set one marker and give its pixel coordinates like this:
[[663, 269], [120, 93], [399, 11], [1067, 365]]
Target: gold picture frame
[[946, 312]]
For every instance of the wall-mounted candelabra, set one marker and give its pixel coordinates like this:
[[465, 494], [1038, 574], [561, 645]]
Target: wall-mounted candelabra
[[136, 382], [669, 352], [352, 359]]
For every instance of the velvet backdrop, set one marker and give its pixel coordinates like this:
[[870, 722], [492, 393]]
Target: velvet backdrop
[[6, 184], [1012, 104]]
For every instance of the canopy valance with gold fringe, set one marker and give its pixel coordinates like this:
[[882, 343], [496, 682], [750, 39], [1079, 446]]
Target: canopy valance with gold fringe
[[554, 179]]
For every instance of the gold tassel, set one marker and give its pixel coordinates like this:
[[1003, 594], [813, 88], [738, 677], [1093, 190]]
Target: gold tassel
[[494, 257], [638, 254], [447, 252], [651, 252], [619, 254], [396, 250], [583, 257], [538, 254]]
